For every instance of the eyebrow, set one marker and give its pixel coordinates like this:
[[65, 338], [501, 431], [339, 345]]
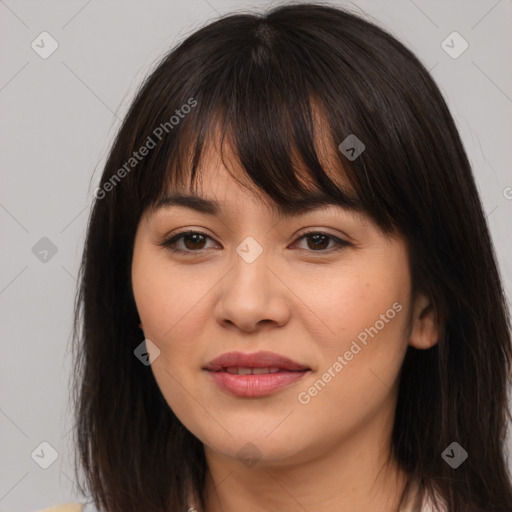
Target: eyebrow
[[300, 206]]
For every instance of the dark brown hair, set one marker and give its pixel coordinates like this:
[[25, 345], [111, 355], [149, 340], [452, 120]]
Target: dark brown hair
[[258, 77]]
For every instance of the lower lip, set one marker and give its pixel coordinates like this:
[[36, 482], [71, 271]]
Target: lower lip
[[255, 385]]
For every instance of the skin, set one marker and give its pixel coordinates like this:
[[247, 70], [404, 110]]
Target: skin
[[301, 301]]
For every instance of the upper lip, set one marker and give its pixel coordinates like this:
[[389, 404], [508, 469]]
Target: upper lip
[[254, 360]]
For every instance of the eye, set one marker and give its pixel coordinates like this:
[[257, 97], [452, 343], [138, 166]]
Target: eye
[[319, 241], [194, 241]]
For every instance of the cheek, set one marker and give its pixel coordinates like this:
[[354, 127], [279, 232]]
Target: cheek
[[173, 308], [369, 294], [168, 303], [165, 298], [364, 321]]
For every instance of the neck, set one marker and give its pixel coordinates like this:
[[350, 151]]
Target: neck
[[357, 474]]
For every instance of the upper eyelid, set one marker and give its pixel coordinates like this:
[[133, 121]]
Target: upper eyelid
[[302, 232], [339, 240], [301, 215]]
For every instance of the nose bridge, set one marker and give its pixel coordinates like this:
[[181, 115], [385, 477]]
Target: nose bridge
[[250, 269], [251, 292], [250, 250]]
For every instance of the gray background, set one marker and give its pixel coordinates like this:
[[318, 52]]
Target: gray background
[[58, 119]]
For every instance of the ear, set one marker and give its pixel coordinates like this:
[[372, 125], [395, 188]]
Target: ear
[[425, 329]]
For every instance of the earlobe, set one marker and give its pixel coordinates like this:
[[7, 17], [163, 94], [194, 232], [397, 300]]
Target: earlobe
[[425, 328]]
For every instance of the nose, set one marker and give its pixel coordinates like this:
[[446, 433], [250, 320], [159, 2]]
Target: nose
[[252, 296]]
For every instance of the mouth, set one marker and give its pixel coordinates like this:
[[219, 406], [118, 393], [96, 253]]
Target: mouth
[[234, 370], [258, 361], [254, 375]]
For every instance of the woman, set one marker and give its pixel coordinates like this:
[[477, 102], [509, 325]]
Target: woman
[[289, 298]]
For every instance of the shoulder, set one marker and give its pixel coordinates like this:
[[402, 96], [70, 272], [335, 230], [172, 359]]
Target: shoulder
[[70, 507], [427, 505], [64, 507]]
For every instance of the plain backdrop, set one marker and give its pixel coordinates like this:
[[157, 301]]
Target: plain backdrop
[[59, 115]]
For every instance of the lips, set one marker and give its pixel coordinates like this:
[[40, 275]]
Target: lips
[[236, 370], [254, 375], [268, 360]]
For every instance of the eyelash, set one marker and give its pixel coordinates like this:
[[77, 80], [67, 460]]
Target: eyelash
[[170, 242]]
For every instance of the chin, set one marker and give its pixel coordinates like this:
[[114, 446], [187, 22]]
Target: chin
[[252, 446]]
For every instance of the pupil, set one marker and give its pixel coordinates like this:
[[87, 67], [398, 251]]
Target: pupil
[[316, 237], [194, 238]]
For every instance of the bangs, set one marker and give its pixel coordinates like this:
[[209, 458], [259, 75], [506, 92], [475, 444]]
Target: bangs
[[283, 159]]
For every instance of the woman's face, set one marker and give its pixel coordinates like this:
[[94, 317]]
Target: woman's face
[[250, 282]]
